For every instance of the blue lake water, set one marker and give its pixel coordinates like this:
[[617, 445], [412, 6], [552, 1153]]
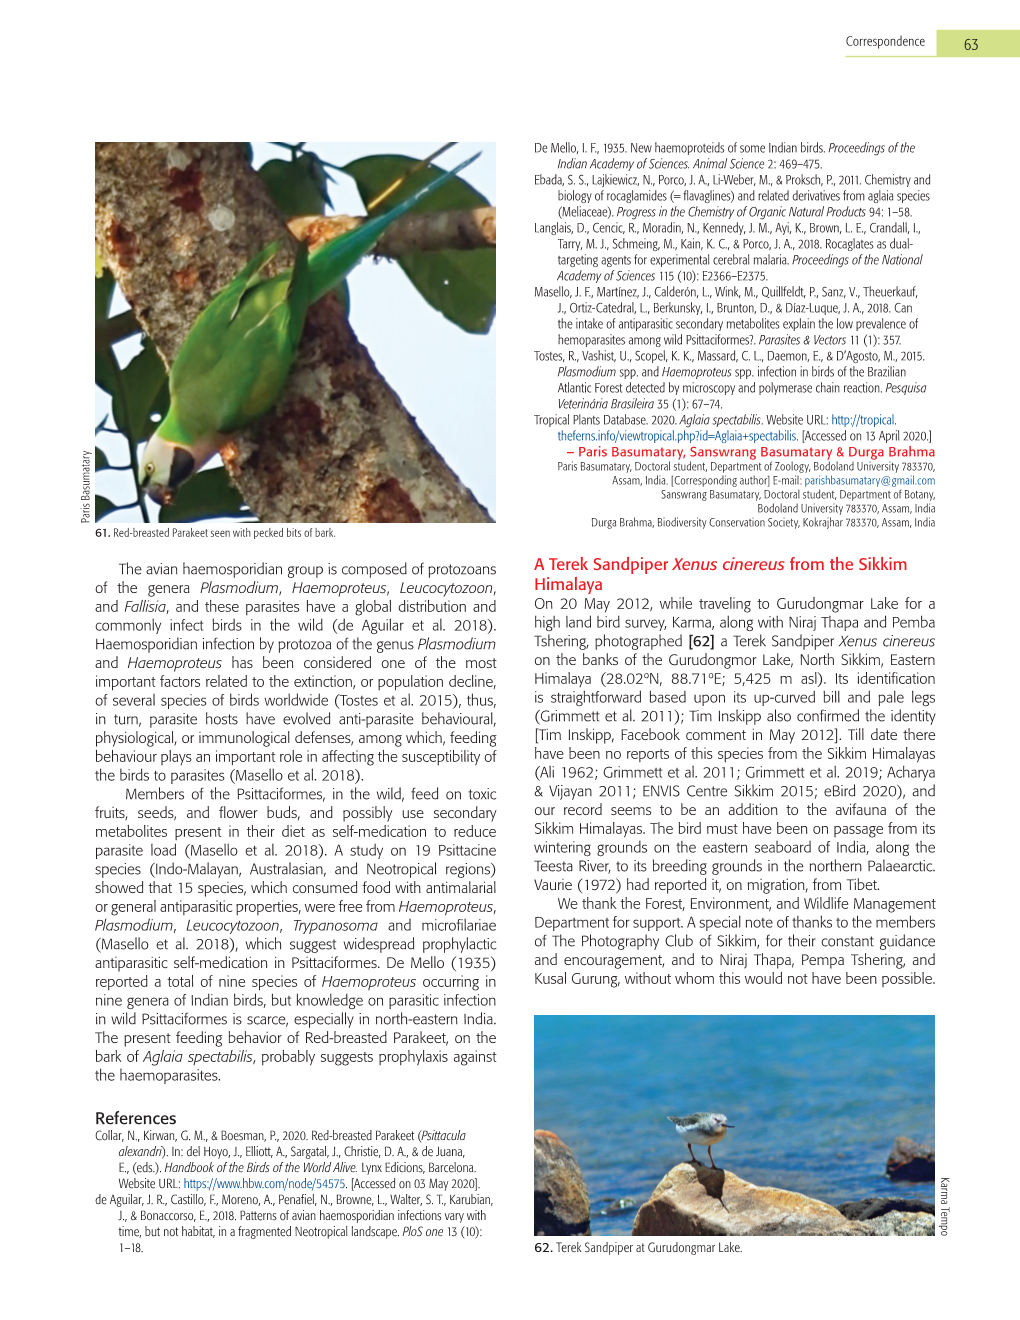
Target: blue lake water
[[816, 1102]]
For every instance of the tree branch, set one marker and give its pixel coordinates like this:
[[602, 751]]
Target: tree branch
[[431, 231], [116, 328], [339, 446]]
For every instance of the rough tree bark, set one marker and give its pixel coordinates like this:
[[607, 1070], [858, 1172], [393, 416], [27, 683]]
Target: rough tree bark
[[339, 446]]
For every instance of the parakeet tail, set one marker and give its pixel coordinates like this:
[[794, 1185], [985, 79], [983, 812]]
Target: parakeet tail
[[336, 259]]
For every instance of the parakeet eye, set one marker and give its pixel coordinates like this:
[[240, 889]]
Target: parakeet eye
[[149, 469]]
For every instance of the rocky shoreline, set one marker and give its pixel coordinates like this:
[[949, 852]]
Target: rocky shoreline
[[693, 1200]]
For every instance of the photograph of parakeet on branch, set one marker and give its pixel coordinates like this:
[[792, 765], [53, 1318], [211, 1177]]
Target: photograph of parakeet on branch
[[267, 372]]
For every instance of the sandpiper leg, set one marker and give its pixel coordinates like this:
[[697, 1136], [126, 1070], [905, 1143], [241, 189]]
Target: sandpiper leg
[[693, 1160], [714, 1165]]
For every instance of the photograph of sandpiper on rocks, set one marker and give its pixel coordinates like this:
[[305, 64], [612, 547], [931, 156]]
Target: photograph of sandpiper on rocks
[[813, 1126]]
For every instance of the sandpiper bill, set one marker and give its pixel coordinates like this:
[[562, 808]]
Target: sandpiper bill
[[702, 1130]]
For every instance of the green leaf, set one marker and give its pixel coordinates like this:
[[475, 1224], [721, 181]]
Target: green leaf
[[107, 371], [146, 392], [374, 174], [109, 378], [298, 187], [207, 495], [461, 285], [102, 464], [160, 405], [137, 391], [105, 506], [105, 286]]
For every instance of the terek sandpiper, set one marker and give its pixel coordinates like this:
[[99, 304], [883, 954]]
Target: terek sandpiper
[[703, 1130]]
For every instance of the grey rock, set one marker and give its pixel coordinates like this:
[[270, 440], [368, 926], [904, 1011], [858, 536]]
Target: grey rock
[[695, 1201], [899, 1223], [872, 1207], [910, 1161], [561, 1199]]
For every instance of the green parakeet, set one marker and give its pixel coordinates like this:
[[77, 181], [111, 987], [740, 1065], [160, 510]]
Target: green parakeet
[[235, 360]]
